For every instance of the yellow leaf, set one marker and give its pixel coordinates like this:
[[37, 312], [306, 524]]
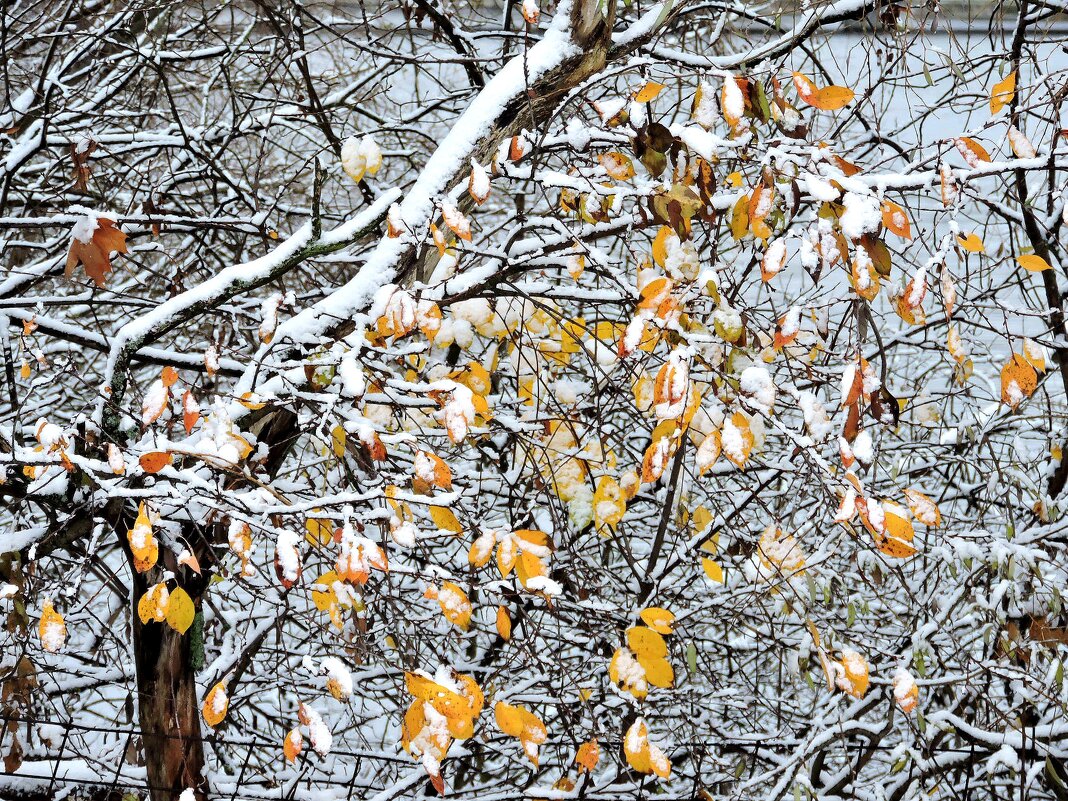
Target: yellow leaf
[[648, 92], [658, 671], [504, 624], [153, 604], [482, 549], [143, 546], [853, 677], [1002, 92], [1035, 353], [712, 569], [324, 599], [180, 611], [1033, 263], [636, 746], [215, 705], [445, 520], [319, 532], [660, 245], [517, 721], [740, 217], [609, 505], [617, 165], [737, 439], [528, 566], [972, 152], [337, 441], [702, 519], [897, 533], [831, 98], [250, 401], [658, 619], [645, 642], [971, 243], [643, 756]]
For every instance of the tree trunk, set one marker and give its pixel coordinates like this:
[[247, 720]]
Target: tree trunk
[[169, 713]]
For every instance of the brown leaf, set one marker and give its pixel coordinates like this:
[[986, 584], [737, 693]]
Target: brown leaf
[[95, 255]]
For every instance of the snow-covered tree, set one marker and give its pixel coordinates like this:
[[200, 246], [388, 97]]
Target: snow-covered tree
[[597, 400]]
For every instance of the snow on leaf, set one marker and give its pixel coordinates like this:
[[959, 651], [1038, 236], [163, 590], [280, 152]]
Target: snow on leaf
[[293, 744], [971, 151], [51, 629], [609, 506], [852, 674], [455, 219], [641, 755], [906, 693], [478, 186], [455, 605], [895, 220], [155, 402], [142, 542]]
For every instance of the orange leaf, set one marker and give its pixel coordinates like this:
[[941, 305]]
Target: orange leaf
[[829, 98], [456, 220], [589, 754], [293, 745], [923, 508], [215, 705], [972, 152], [190, 411], [805, 88], [895, 220], [1018, 380], [155, 461]]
